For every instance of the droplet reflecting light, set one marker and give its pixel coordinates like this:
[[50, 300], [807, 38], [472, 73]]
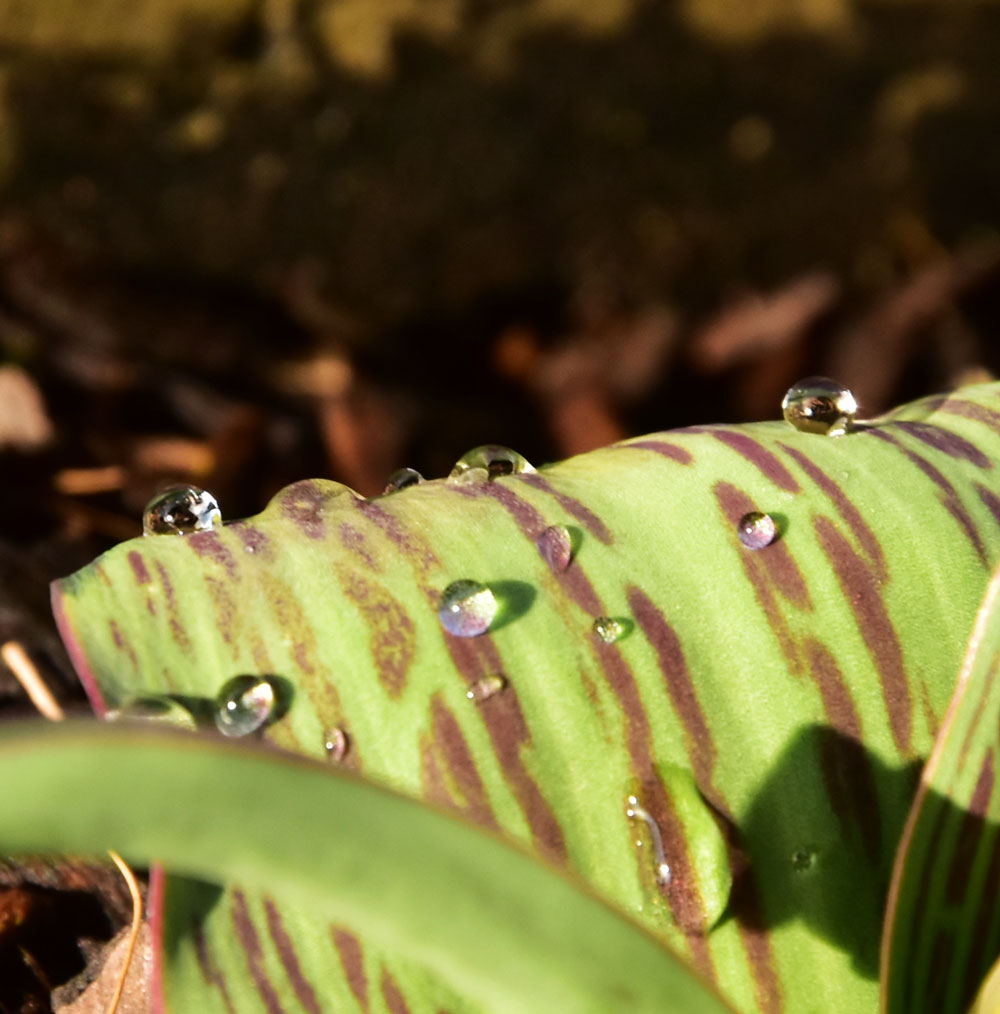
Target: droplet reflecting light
[[649, 832], [820, 405], [485, 688], [401, 479], [757, 530], [335, 743], [244, 704], [153, 708], [608, 629], [492, 459], [467, 608], [556, 547], [180, 511]]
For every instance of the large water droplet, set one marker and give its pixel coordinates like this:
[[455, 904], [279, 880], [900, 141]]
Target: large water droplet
[[608, 629], [335, 743], [402, 478], [244, 704], [492, 459], [648, 837], [819, 405], [467, 608], [485, 688], [556, 547], [757, 530], [163, 710], [180, 511]]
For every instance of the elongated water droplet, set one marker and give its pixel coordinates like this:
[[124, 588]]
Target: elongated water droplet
[[485, 688], [757, 530], [556, 547], [180, 511], [493, 459], [336, 743], [608, 629], [803, 859], [648, 837], [467, 608], [402, 478], [153, 709], [244, 704], [820, 405]]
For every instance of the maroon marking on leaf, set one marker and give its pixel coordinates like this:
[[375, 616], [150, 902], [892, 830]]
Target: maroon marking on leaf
[[855, 521], [176, 627], [138, 565], [291, 620], [283, 944], [352, 960], [970, 410], [394, 999], [209, 546], [782, 570], [861, 590], [949, 499], [664, 640], [211, 973], [760, 456], [745, 902], [583, 514], [253, 539], [391, 636], [448, 738], [303, 504], [355, 542], [990, 500], [984, 690], [122, 643], [509, 733], [246, 933], [945, 441], [225, 608], [417, 551], [981, 795], [679, 454]]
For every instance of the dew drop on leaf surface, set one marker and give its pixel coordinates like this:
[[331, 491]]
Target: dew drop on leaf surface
[[819, 405], [648, 837], [608, 629], [335, 743], [402, 478], [757, 530], [163, 710], [492, 459], [181, 510], [556, 547], [803, 859], [485, 688], [244, 704], [467, 608]]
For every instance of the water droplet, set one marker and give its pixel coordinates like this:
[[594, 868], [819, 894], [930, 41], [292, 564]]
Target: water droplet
[[649, 837], [244, 704], [485, 688], [467, 608], [164, 710], [803, 859], [493, 459], [819, 405], [402, 478], [556, 547], [757, 530], [335, 742], [181, 510], [608, 629]]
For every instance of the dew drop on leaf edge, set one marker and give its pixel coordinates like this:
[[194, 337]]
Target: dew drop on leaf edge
[[819, 405], [649, 838], [757, 530], [467, 608], [493, 460], [402, 478], [336, 744], [244, 704], [485, 688], [181, 510], [608, 629], [555, 547], [153, 708]]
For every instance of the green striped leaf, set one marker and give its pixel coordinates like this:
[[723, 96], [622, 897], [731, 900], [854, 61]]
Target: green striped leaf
[[942, 932], [489, 920], [765, 708]]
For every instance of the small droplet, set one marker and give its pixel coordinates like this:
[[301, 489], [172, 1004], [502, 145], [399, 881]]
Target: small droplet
[[402, 478], [485, 688], [493, 459], [757, 530], [649, 837], [244, 704], [556, 547], [819, 405], [467, 608], [608, 629], [803, 860], [163, 710], [335, 742], [180, 511]]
